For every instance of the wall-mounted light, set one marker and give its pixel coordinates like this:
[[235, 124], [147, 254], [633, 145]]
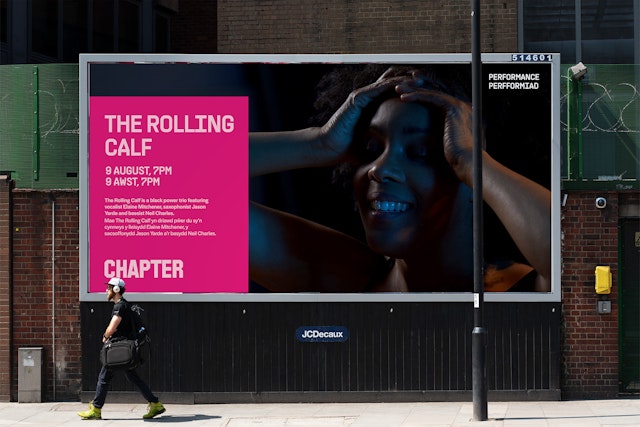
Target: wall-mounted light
[[578, 71]]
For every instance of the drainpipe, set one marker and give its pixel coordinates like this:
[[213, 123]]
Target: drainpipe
[[53, 293]]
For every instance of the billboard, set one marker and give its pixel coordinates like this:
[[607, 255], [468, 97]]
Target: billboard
[[317, 177]]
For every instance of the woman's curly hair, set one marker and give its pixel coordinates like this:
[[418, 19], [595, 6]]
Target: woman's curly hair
[[336, 85], [334, 88]]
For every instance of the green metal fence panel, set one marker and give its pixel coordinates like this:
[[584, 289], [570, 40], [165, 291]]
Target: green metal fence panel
[[59, 126], [603, 128], [39, 125], [16, 122]]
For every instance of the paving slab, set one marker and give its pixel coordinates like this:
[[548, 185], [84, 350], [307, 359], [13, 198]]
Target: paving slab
[[585, 413]]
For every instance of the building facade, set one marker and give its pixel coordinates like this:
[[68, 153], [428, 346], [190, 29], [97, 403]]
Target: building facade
[[580, 352]]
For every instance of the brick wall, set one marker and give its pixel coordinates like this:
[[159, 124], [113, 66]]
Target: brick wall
[[590, 353], [345, 26], [194, 27], [34, 303], [5, 288]]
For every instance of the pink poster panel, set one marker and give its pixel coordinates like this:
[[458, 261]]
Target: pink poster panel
[[168, 191]]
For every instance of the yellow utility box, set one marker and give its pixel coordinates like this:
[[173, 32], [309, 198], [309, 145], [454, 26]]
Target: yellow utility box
[[603, 279]]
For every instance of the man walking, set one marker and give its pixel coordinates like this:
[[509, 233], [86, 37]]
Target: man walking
[[120, 325]]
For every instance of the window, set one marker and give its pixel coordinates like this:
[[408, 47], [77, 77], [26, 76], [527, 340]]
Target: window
[[58, 30], [3, 21], [44, 25], [604, 33], [40, 31], [128, 27], [607, 32], [162, 34], [3, 32], [74, 30], [103, 27], [549, 26]]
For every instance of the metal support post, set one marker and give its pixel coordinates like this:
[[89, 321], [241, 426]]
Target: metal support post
[[479, 333]]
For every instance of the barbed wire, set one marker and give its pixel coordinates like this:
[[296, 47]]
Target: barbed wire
[[613, 107]]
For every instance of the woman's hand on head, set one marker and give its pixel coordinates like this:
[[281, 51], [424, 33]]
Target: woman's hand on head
[[457, 138], [339, 131]]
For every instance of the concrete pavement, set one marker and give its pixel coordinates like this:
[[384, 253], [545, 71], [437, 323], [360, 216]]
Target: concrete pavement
[[579, 413]]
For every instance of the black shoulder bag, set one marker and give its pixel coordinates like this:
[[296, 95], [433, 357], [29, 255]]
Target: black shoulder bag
[[120, 354]]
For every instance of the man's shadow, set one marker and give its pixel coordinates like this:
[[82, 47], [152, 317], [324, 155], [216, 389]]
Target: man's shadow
[[174, 418], [182, 418]]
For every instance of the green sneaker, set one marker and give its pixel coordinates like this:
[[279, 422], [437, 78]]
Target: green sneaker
[[92, 414], [154, 409]]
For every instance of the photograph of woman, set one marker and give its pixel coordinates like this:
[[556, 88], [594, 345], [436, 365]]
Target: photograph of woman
[[400, 137]]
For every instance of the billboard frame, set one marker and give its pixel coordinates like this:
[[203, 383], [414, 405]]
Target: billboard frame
[[86, 60]]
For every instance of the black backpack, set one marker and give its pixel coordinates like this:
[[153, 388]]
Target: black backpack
[[138, 325]]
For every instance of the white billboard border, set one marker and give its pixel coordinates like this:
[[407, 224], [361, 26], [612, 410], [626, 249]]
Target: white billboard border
[[86, 60]]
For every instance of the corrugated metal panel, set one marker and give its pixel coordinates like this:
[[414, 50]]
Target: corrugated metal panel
[[629, 285], [251, 348]]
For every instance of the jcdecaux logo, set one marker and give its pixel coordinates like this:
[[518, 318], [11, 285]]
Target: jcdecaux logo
[[322, 334]]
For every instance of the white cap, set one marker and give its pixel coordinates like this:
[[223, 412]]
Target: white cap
[[116, 281]]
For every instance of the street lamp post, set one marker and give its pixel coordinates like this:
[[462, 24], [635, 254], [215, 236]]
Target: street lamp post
[[479, 334]]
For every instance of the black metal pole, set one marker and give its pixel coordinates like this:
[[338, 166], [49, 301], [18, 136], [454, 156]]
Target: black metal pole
[[479, 334]]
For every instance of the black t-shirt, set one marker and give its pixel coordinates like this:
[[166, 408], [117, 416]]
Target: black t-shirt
[[122, 308]]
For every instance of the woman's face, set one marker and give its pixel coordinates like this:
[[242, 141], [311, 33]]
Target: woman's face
[[404, 188]]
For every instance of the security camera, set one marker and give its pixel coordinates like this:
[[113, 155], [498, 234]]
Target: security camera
[[601, 202], [578, 71]]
